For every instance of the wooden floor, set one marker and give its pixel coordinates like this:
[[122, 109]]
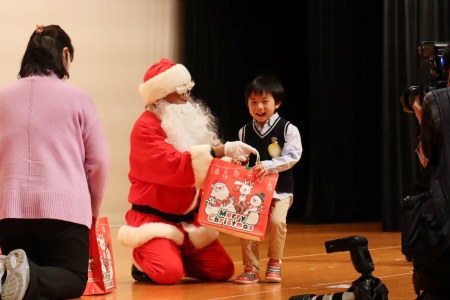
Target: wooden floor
[[307, 268]]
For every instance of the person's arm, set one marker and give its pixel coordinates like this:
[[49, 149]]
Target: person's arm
[[96, 163], [418, 109], [290, 154], [236, 150], [218, 151], [431, 127]]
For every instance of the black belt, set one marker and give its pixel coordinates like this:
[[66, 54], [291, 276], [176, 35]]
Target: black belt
[[166, 216]]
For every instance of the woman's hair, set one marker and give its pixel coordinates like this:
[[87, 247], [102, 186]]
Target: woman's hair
[[43, 55], [265, 84]]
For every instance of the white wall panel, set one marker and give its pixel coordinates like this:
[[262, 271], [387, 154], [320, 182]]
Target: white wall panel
[[115, 42]]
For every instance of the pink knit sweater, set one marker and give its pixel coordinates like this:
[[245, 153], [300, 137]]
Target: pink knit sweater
[[54, 158]]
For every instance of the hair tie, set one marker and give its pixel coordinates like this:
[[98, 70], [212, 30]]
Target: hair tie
[[39, 29]]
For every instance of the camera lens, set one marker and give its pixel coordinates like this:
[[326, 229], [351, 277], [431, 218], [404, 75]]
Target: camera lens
[[408, 98]]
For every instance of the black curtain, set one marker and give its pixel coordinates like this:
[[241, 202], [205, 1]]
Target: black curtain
[[405, 25], [344, 111], [344, 66]]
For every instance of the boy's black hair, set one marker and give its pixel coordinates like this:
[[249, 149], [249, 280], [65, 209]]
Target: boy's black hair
[[266, 84]]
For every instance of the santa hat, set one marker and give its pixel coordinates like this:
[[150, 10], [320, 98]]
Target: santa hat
[[163, 78]]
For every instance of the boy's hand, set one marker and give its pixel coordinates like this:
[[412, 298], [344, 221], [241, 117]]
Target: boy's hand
[[258, 170]]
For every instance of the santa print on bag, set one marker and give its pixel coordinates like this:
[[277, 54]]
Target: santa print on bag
[[106, 259], [236, 206], [101, 275]]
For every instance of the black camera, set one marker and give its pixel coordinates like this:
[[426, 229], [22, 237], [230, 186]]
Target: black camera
[[434, 62], [359, 252], [365, 287]]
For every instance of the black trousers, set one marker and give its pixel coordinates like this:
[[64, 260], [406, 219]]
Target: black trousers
[[57, 252]]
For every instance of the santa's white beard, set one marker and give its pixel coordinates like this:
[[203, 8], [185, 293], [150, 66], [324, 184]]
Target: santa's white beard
[[187, 124]]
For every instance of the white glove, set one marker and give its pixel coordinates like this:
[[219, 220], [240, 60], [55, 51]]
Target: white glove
[[238, 150]]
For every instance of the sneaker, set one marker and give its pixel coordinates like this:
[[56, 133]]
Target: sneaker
[[139, 275], [250, 275], [17, 276], [2, 270], [273, 273]]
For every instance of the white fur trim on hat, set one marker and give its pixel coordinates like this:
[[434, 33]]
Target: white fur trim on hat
[[164, 83]]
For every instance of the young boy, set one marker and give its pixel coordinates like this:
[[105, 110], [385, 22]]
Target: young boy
[[279, 145]]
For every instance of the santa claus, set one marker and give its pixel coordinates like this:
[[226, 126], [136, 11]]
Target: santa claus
[[172, 145]]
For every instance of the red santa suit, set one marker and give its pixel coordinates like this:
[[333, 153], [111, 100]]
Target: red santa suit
[[167, 242]]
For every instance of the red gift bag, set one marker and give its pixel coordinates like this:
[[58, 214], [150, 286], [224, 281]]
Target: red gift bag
[[235, 202], [101, 275]]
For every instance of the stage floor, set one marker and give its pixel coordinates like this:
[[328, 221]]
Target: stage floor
[[307, 268]]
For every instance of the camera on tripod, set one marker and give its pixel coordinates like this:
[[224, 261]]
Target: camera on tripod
[[434, 61], [366, 287]]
